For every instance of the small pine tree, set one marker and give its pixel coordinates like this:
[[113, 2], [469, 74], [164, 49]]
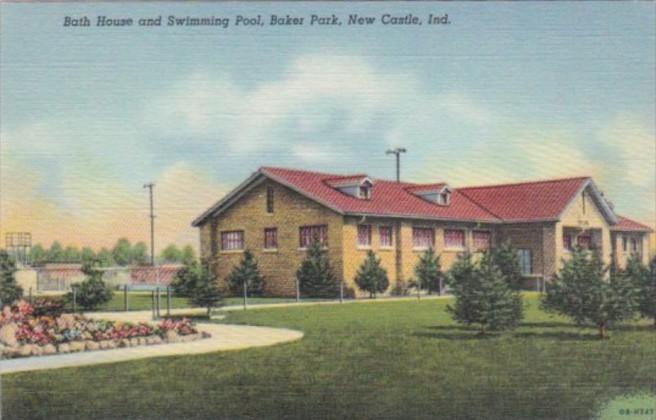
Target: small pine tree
[[246, 273], [185, 279], [483, 295], [315, 275], [10, 291], [371, 276], [582, 292], [429, 271], [644, 278], [205, 291], [92, 292], [505, 257]]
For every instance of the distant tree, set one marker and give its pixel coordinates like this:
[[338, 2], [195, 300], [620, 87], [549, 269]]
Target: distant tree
[[56, 252], [171, 254], [92, 292], [371, 276], [187, 255], [71, 254], [644, 279], [10, 291], [122, 252], [505, 257], [105, 258], [246, 274], [582, 292], [315, 275], [483, 296], [87, 255], [205, 291], [139, 253], [38, 254], [428, 271]]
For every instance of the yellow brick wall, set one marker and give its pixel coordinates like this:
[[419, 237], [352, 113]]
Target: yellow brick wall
[[291, 210]]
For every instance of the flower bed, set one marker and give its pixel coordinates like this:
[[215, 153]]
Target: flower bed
[[22, 333]]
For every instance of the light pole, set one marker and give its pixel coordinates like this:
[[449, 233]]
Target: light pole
[[152, 224], [397, 152]]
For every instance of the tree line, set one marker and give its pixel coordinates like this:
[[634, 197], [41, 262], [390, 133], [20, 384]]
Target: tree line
[[123, 253]]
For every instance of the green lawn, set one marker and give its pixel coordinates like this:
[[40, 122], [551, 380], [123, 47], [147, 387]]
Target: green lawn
[[380, 360], [142, 301]]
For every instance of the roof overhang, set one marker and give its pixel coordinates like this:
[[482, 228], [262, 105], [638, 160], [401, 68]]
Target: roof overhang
[[251, 182], [598, 198]]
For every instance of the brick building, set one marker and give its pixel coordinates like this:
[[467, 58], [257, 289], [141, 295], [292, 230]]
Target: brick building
[[276, 212]]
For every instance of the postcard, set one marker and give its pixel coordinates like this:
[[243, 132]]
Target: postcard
[[318, 210]]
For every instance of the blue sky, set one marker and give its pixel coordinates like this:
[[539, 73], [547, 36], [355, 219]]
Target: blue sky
[[506, 92]]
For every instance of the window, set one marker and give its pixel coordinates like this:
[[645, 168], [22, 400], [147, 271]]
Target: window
[[454, 238], [567, 241], [525, 261], [583, 201], [364, 235], [233, 240], [423, 237], [365, 192], [270, 238], [269, 199], [624, 243], [481, 240], [634, 245], [385, 233], [309, 233], [583, 241], [444, 198]]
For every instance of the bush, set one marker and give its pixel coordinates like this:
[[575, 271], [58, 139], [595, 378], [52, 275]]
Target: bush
[[315, 276], [92, 292], [52, 307], [10, 291], [371, 276], [483, 296], [246, 274], [429, 272], [582, 292]]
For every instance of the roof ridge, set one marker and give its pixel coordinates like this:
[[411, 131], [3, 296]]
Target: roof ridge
[[328, 174], [512, 184]]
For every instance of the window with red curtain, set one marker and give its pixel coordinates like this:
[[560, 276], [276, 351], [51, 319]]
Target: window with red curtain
[[454, 238], [232, 240], [481, 240], [423, 237], [364, 235], [309, 233], [385, 233], [583, 241], [567, 241], [270, 238]]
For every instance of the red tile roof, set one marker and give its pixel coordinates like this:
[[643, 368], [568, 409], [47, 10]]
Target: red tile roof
[[388, 198], [520, 202], [528, 201], [625, 224]]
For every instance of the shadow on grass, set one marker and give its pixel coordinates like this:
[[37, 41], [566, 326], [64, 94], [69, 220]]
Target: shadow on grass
[[461, 332], [455, 332]]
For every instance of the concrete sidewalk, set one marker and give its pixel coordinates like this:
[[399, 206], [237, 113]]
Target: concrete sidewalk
[[224, 337]]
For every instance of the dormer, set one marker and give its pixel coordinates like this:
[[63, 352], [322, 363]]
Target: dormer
[[439, 194], [359, 186]]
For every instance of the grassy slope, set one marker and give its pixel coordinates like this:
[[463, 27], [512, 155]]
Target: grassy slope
[[394, 359]]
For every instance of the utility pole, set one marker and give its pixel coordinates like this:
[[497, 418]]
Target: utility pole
[[152, 224], [397, 152]]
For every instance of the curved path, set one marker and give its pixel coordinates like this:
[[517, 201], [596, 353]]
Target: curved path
[[224, 337]]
